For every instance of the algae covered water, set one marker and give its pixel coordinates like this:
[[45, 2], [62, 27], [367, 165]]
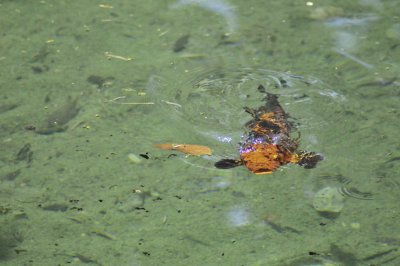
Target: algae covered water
[[89, 89]]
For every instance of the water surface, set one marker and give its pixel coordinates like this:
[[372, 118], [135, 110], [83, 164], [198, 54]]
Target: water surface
[[85, 84]]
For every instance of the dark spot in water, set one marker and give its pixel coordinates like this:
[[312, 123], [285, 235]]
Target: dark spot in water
[[40, 69], [55, 207], [181, 43], [11, 176], [145, 155], [56, 122], [7, 107], [98, 80], [25, 153]]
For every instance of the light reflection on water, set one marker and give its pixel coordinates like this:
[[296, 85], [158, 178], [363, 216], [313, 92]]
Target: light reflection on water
[[238, 216], [219, 7]]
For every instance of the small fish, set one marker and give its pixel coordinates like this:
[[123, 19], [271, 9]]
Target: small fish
[[268, 144], [190, 149]]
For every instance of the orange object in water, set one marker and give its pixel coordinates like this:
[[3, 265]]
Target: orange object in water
[[268, 144], [191, 149], [266, 158]]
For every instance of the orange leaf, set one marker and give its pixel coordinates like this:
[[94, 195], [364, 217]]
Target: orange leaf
[[186, 148]]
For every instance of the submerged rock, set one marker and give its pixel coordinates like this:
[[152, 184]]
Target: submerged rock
[[328, 200]]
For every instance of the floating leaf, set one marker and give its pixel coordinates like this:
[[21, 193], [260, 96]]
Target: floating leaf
[[191, 149]]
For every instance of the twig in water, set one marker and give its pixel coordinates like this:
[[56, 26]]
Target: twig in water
[[130, 103]]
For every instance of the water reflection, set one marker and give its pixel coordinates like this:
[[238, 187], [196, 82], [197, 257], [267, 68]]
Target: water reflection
[[219, 7], [238, 216], [348, 34]]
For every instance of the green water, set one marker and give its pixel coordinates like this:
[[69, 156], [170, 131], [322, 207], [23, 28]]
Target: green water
[[108, 74]]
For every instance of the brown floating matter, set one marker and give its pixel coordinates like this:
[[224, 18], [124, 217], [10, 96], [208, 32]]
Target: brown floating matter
[[190, 149]]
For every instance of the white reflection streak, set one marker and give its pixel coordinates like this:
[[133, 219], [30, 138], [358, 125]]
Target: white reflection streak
[[343, 22], [345, 39], [355, 59], [219, 7]]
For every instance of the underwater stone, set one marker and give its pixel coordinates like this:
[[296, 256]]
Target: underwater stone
[[328, 200]]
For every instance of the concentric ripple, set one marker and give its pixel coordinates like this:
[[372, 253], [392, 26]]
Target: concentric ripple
[[211, 102]]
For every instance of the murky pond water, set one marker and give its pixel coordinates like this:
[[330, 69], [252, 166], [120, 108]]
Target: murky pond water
[[88, 89]]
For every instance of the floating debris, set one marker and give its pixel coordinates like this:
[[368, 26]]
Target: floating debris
[[190, 149], [110, 56], [116, 100]]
